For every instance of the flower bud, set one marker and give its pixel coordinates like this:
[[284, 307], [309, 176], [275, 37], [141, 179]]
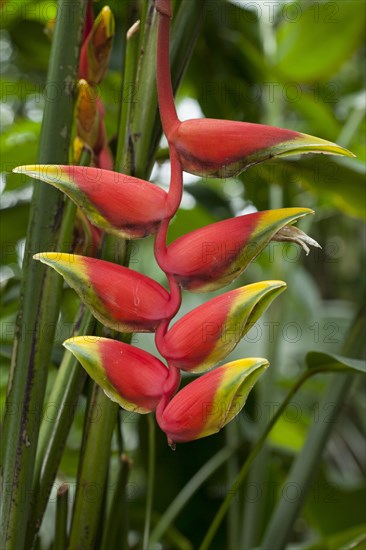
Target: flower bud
[[97, 47]]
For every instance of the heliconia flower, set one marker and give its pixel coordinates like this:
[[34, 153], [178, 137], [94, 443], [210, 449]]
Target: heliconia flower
[[207, 404], [119, 297], [130, 376], [225, 148], [122, 205], [213, 256], [96, 49], [206, 335]]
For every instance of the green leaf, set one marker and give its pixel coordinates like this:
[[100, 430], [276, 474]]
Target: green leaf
[[326, 361], [335, 181], [303, 52], [345, 540]]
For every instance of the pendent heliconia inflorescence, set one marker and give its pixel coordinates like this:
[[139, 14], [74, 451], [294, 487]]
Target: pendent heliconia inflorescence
[[131, 208]]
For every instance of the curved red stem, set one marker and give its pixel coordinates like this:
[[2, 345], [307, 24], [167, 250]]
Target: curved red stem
[[168, 113], [176, 182], [170, 388]]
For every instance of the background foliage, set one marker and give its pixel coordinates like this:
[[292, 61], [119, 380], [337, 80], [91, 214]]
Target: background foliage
[[295, 65]]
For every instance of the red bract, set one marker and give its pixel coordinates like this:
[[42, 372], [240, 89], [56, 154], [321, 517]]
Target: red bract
[[207, 404], [120, 298], [213, 256], [121, 205], [224, 148], [130, 376], [206, 335]]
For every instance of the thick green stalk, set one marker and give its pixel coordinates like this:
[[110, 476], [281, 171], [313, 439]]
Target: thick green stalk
[[95, 454], [305, 466], [61, 517], [53, 432], [123, 156], [232, 470], [116, 527], [40, 287], [150, 483], [144, 106]]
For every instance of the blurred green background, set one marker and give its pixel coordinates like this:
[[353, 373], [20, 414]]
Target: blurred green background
[[297, 65]]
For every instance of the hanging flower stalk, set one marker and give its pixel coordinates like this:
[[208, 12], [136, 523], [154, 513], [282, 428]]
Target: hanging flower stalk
[[200, 261]]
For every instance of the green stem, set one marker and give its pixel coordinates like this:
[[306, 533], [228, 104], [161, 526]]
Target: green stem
[[53, 433], [123, 156], [150, 482], [233, 519], [60, 542], [145, 105], [115, 533], [41, 289], [168, 113], [187, 492], [95, 453], [249, 461]]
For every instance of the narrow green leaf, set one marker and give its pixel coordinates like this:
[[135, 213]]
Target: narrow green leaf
[[93, 468], [325, 361], [345, 540], [335, 181]]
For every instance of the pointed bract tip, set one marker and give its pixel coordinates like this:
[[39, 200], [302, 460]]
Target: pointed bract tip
[[312, 144], [106, 15], [48, 173], [55, 256]]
